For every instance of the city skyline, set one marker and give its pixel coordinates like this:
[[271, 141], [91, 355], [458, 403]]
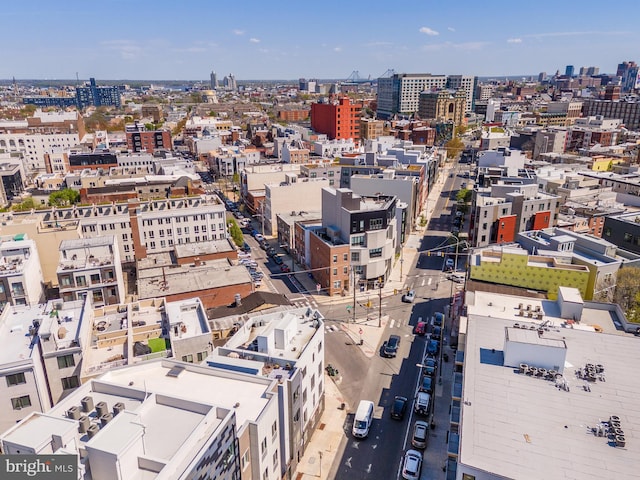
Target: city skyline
[[137, 41]]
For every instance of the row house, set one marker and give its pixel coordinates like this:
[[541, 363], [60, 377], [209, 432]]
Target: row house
[[21, 279]]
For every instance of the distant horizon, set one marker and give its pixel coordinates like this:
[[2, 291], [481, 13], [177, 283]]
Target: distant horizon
[[249, 80]]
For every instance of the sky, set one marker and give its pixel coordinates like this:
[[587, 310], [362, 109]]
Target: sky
[[327, 39]]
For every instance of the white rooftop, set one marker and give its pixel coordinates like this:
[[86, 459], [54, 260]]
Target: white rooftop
[[521, 427]]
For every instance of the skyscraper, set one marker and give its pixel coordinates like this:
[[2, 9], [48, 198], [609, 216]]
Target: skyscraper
[[568, 71], [214, 80]]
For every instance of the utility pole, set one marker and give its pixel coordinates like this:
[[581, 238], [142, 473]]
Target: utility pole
[[353, 270], [379, 302]]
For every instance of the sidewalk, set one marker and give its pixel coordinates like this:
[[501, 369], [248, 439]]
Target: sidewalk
[[326, 441]]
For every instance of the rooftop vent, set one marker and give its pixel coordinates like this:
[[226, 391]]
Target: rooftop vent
[[87, 404], [83, 424], [92, 430], [102, 408]]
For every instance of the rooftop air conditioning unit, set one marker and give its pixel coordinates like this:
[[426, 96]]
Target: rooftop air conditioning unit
[[106, 418], [117, 408], [92, 430], [87, 404], [83, 424], [74, 413], [102, 409]]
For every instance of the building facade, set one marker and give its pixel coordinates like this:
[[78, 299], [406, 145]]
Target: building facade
[[338, 120]]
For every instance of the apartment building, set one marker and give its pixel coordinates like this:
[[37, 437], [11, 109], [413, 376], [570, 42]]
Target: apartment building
[[139, 139], [41, 356], [569, 364], [338, 120], [626, 109], [163, 419], [623, 230], [91, 267], [287, 346], [587, 132], [399, 93], [466, 83], [34, 146], [502, 210], [21, 279], [367, 225], [295, 193], [254, 177], [550, 140], [91, 94], [371, 129]]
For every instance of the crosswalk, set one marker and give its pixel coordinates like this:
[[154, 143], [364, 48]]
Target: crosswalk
[[304, 302]]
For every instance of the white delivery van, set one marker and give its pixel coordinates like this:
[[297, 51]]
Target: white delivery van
[[363, 418]]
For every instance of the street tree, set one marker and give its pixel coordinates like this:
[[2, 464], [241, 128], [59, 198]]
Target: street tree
[[627, 294], [64, 198]]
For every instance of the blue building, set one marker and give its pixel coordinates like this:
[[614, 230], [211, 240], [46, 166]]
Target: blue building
[[568, 71], [97, 96], [44, 101]]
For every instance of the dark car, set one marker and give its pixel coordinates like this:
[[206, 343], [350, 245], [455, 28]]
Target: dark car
[[278, 260], [436, 333], [421, 328], [429, 366], [438, 319], [433, 347], [271, 251], [285, 268], [398, 407], [246, 247], [427, 384], [390, 347]]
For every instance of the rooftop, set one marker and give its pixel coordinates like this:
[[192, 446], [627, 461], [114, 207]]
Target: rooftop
[[203, 248], [519, 426], [172, 280]]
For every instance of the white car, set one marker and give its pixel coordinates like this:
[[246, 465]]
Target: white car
[[412, 465], [449, 263], [409, 297]]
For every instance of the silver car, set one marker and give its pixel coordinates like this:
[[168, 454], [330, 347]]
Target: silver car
[[420, 434]]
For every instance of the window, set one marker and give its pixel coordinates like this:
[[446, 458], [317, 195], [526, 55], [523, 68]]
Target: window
[[244, 461], [275, 459], [345, 270], [335, 259], [263, 445], [375, 252], [274, 429], [466, 476], [201, 356], [344, 256], [628, 237], [17, 288], [95, 278], [15, 379], [19, 403], [357, 240], [97, 296], [66, 361], [187, 358], [335, 271], [375, 224], [355, 256], [70, 382]]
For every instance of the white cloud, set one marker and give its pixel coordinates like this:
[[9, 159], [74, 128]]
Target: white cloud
[[572, 34], [337, 49], [514, 40], [451, 29], [254, 40], [378, 44], [428, 31], [128, 49], [238, 32]]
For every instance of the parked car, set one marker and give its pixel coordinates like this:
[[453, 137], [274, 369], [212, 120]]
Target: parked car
[[278, 260], [436, 333], [285, 268], [432, 347], [420, 434], [259, 237], [429, 366], [427, 384], [421, 328], [412, 465], [390, 347], [438, 319], [421, 405], [409, 297], [398, 407], [449, 263], [271, 251], [246, 248]]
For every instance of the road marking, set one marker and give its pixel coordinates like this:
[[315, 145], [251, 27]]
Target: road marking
[[368, 470], [392, 324], [384, 304], [422, 284], [348, 462], [430, 280]]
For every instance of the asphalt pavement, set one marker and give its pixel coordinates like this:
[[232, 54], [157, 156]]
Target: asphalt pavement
[[332, 452]]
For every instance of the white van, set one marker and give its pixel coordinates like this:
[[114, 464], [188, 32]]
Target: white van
[[362, 420]]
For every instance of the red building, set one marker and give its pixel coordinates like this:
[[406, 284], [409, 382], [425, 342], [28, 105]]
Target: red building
[[141, 140], [339, 120]]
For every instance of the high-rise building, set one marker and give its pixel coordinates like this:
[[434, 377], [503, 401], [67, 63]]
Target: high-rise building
[[443, 106], [542, 77], [214, 80], [399, 94], [568, 71], [93, 95]]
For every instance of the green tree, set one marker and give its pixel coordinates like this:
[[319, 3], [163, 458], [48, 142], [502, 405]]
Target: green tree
[[464, 195], [64, 198], [454, 147], [236, 233], [627, 294], [25, 205]]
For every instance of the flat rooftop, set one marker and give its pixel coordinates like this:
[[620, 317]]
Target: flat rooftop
[[522, 427], [203, 248], [161, 282]]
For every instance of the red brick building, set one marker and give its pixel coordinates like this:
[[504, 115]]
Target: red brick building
[[339, 120], [149, 141]]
